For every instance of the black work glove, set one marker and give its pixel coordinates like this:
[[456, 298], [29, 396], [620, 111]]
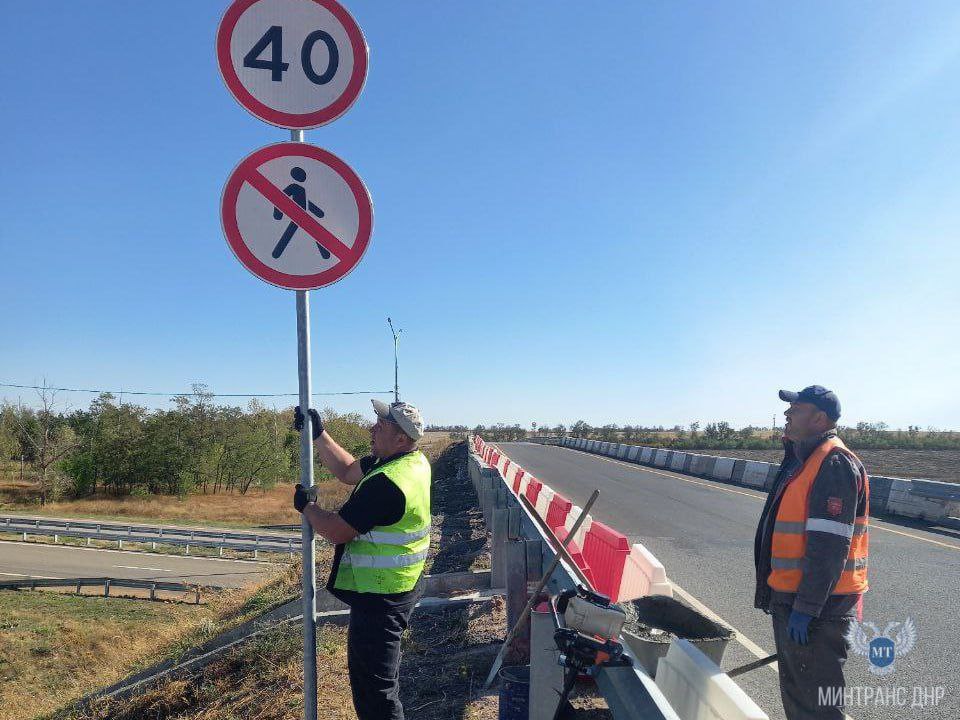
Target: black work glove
[[302, 496], [316, 424]]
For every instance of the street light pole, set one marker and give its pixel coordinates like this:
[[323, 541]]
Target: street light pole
[[396, 364]]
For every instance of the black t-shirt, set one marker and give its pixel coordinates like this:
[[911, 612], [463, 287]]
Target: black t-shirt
[[376, 501]]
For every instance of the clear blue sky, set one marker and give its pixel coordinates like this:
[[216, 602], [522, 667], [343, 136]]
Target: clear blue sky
[[650, 212]]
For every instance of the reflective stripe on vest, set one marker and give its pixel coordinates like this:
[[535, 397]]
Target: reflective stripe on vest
[[390, 559], [381, 561], [793, 523]]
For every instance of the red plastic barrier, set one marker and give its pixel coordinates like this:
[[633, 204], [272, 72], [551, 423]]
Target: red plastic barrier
[[506, 466], [533, 490], [517, 479], [606, 552], [557, 512], [577, 554]]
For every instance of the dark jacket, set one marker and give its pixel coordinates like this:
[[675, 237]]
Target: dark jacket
[[838, 495]]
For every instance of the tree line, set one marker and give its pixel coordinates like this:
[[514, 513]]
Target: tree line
[[722, 436], [196, 446]]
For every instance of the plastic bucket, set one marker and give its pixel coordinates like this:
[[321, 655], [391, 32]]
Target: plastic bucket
[[514, 693]]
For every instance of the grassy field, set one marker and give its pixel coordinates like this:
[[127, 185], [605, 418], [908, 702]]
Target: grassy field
[[55, 647], [256, 508]]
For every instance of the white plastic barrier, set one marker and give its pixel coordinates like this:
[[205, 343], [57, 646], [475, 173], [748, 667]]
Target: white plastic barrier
[[755, 473], [698, 689], [723, 468], [902, 502], [572, 518], [643, 575], [543, 501], [646, 455], [677, 460], [524, 481], [624, 449], [633, 453], [511, 475], [660, 459]]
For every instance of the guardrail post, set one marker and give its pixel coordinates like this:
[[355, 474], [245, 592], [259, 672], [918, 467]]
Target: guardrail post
[[513, 523], [78, 587], [38, 524], [56, 538], [119, 544], [546, 674], [161, 532], [516, 561], [98, 527], [88, 542], [221, 550], [24, 535], [198, 595], [106, 587], [188, 550], [498, 548], [153, 591], [153, 544], [129, 530], [290, 546]]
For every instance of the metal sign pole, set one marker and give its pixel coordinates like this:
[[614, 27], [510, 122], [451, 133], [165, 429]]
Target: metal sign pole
[[306, 479]]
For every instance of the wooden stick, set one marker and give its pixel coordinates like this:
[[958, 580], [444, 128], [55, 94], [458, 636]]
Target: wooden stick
[[498, 662]]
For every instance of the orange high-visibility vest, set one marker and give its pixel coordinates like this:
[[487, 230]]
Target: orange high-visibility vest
[[793, 522]]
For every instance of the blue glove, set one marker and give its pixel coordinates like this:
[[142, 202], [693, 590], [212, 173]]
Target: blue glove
[[798, 626]]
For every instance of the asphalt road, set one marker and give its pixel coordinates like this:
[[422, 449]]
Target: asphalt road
[[24, 560], [702, 531]]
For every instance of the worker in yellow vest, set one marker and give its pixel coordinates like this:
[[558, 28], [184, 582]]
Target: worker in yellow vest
[[810, 553], [382, 535]]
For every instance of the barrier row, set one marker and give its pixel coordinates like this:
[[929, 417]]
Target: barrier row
[[924, 499], [606, 557], [687, 683]]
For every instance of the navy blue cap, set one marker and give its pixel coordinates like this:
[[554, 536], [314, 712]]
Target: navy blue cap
[[817, 395]]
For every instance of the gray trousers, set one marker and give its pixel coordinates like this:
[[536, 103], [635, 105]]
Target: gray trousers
[[805, 669]]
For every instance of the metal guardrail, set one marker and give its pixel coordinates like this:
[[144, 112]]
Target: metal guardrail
[[255, 543], [159, 531], [152, 585]]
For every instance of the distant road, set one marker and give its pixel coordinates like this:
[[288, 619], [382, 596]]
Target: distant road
[[702, 531], [23, 560]]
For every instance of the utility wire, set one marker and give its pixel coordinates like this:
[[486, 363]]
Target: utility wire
[[190, 394]]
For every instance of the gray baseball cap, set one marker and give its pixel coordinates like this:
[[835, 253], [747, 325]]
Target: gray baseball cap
[[403, 414]]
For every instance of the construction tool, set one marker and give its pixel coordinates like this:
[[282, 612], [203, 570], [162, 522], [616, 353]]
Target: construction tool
[[498, 662], [752, 666], [557, 544], [587, 634]]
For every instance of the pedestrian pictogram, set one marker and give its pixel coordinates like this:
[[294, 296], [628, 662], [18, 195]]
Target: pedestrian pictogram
[[296, 216], [293, 63]]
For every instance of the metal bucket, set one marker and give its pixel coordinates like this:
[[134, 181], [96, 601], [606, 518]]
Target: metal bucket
[[514, 693]]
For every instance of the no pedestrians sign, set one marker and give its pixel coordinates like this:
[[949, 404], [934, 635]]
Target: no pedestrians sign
[[297, 64], [296, 216]]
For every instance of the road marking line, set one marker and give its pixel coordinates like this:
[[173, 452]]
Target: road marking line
[[712, 486], [134, 567], [38, 577]]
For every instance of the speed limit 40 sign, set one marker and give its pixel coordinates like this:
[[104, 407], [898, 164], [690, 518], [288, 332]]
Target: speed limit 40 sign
[[297, 64]]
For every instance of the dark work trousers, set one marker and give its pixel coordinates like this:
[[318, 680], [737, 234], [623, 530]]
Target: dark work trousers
[[805, 669], [373, 658]]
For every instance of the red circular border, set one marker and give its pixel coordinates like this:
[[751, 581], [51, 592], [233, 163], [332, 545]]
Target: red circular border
[[228, 216], [293, 121]]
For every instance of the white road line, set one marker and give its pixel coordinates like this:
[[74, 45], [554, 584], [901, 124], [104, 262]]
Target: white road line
[[38, 577], [134, 567]]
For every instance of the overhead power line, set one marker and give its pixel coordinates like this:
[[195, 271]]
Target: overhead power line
[[190, 394]]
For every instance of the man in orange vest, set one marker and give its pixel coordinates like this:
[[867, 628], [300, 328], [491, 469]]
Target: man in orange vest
[[810, 553]]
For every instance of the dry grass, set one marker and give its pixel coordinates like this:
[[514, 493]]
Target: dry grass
[[57, 647]]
